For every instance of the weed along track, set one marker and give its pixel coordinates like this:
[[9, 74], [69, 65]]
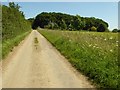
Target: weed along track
[[37, 64], [36, 42]]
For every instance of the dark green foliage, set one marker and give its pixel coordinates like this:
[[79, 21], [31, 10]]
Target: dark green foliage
[[102, 27], [31, 20], [68, 22], [63, 25], [0, 32], [13, 5], [14, 27], [115, 30], [13, 22]]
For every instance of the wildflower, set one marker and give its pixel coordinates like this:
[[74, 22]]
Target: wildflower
[[105, 39], [95, 44], [97, 47], [90, 45], [117, 41], [95, 37], [111, 37], [69, 40], [111, 50]]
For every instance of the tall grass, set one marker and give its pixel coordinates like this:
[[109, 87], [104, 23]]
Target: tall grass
[[9, 44], [94, 54]]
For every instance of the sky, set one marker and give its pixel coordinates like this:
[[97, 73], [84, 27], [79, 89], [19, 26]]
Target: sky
[[107, 11]]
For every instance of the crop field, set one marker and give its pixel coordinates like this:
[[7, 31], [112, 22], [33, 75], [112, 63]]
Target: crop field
[[93, 54]]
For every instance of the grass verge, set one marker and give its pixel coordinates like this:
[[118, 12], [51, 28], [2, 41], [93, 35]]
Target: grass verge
[[8, 45], [93, 54]]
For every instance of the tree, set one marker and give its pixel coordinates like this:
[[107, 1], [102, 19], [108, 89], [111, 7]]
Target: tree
[[70, 27], [31, 20], [77, 22], [63, 25], [55, 26], [13, 22], [35, 24], [115, 30], [102, 28], [118, 30], [13, 5], [66, 21]]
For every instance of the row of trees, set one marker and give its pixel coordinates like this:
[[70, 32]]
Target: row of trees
[[62, 21], [116, 30], [13, 21]]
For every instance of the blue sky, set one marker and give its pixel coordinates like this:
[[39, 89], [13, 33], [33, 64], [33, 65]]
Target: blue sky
[[108, 11]]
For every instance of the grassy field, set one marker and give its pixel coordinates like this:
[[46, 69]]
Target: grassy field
[[94, 54], [9, 44]]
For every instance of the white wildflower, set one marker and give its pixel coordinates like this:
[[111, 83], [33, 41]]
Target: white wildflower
[[90, 45], [117, 41], [69, 40], [111, 50], [111, 37], [95, 44], [105, 39], [95, 37]]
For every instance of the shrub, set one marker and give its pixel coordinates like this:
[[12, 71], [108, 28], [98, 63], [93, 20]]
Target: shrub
[[93, 28], [102, 27], [115, 30]]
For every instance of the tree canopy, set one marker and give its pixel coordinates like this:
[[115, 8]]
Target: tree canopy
[[13, 21], [115, 30], [63, 21]]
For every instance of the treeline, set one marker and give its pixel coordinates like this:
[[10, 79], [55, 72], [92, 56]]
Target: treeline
[[13, 21], [62, 21], [115, 30]]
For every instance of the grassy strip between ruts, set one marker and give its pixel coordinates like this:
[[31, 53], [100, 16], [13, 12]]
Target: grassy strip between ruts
[[93, 54], [9, 44]]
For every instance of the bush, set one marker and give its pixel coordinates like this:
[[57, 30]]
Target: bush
[[93, 28], [102, 28], [115, 30]]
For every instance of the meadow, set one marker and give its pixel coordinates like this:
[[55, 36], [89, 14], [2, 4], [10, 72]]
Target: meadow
[[93, 54]]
